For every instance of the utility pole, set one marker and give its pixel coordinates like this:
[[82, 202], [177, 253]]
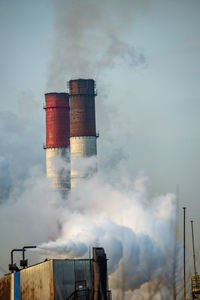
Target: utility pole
[[184, 273], [194, 258]]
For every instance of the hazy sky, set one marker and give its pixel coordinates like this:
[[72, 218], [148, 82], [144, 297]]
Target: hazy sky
[[145, 58]]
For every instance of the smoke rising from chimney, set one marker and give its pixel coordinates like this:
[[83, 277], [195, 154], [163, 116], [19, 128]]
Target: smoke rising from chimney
[[118, 214], [111, 209], [20, 142], [90, 37]]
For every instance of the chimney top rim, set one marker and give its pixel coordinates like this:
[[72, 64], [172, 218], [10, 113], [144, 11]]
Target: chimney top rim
[[82, 79], [55, 93]]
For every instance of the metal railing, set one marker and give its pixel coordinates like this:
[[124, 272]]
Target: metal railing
[[80, 295], [85, 295]]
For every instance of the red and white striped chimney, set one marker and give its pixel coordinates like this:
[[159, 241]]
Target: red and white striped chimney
[[82, 124], [57, 140]]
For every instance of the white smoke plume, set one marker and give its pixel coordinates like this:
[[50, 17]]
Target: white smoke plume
[[112, 209], [20, 143], [90, 37], [115, 211]]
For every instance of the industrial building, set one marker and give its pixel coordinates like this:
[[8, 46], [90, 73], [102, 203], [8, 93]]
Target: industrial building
[[70, 132], [56, 279]]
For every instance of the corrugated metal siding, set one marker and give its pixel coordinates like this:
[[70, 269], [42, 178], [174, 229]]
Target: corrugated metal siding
[[5, 287], [67, 273], [50, 280], [37, 282], [15, 286]]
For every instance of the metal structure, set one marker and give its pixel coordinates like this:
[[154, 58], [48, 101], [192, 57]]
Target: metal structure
[[195, 284], [195, 281], [57, 140], [13, 267], [193, 248], [184, 265], [5, 287], [100, 274], [24, 262], [82, 125], [81, 279]]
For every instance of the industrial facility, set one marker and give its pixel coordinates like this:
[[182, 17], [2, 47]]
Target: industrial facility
[[70, 137], [70, 132], [56, 279]]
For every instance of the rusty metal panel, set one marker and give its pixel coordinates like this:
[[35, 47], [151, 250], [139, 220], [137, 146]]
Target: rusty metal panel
[[57, 120], [36, 282], [67, 273], [5, 287]]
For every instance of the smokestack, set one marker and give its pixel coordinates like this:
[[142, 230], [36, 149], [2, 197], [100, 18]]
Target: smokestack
[[57, 139], [82, 124], [100, 274]]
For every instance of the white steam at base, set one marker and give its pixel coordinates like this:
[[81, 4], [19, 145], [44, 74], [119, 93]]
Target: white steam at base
[[116, 212]]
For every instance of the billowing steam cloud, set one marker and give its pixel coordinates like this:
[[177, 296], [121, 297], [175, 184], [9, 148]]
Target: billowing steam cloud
[[90, 36], [111, 209], [20, 143], [117, 212]]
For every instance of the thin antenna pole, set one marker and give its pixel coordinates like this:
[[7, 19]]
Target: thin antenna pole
[[174, 271], [184, 273], [194, 258]]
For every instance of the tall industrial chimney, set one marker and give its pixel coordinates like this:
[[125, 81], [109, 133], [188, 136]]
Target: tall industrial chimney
[[57, 140], [82, 124]]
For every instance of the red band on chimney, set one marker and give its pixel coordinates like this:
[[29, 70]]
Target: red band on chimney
[[82, 107], [57, 120]]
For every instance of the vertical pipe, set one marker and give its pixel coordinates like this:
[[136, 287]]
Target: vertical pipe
[[184, 273], [100, 274], [174, 271], [13, 267], [194, 258], [11, 257], [23, 253]]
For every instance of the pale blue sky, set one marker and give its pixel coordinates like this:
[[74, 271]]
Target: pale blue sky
[[146, 110]]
